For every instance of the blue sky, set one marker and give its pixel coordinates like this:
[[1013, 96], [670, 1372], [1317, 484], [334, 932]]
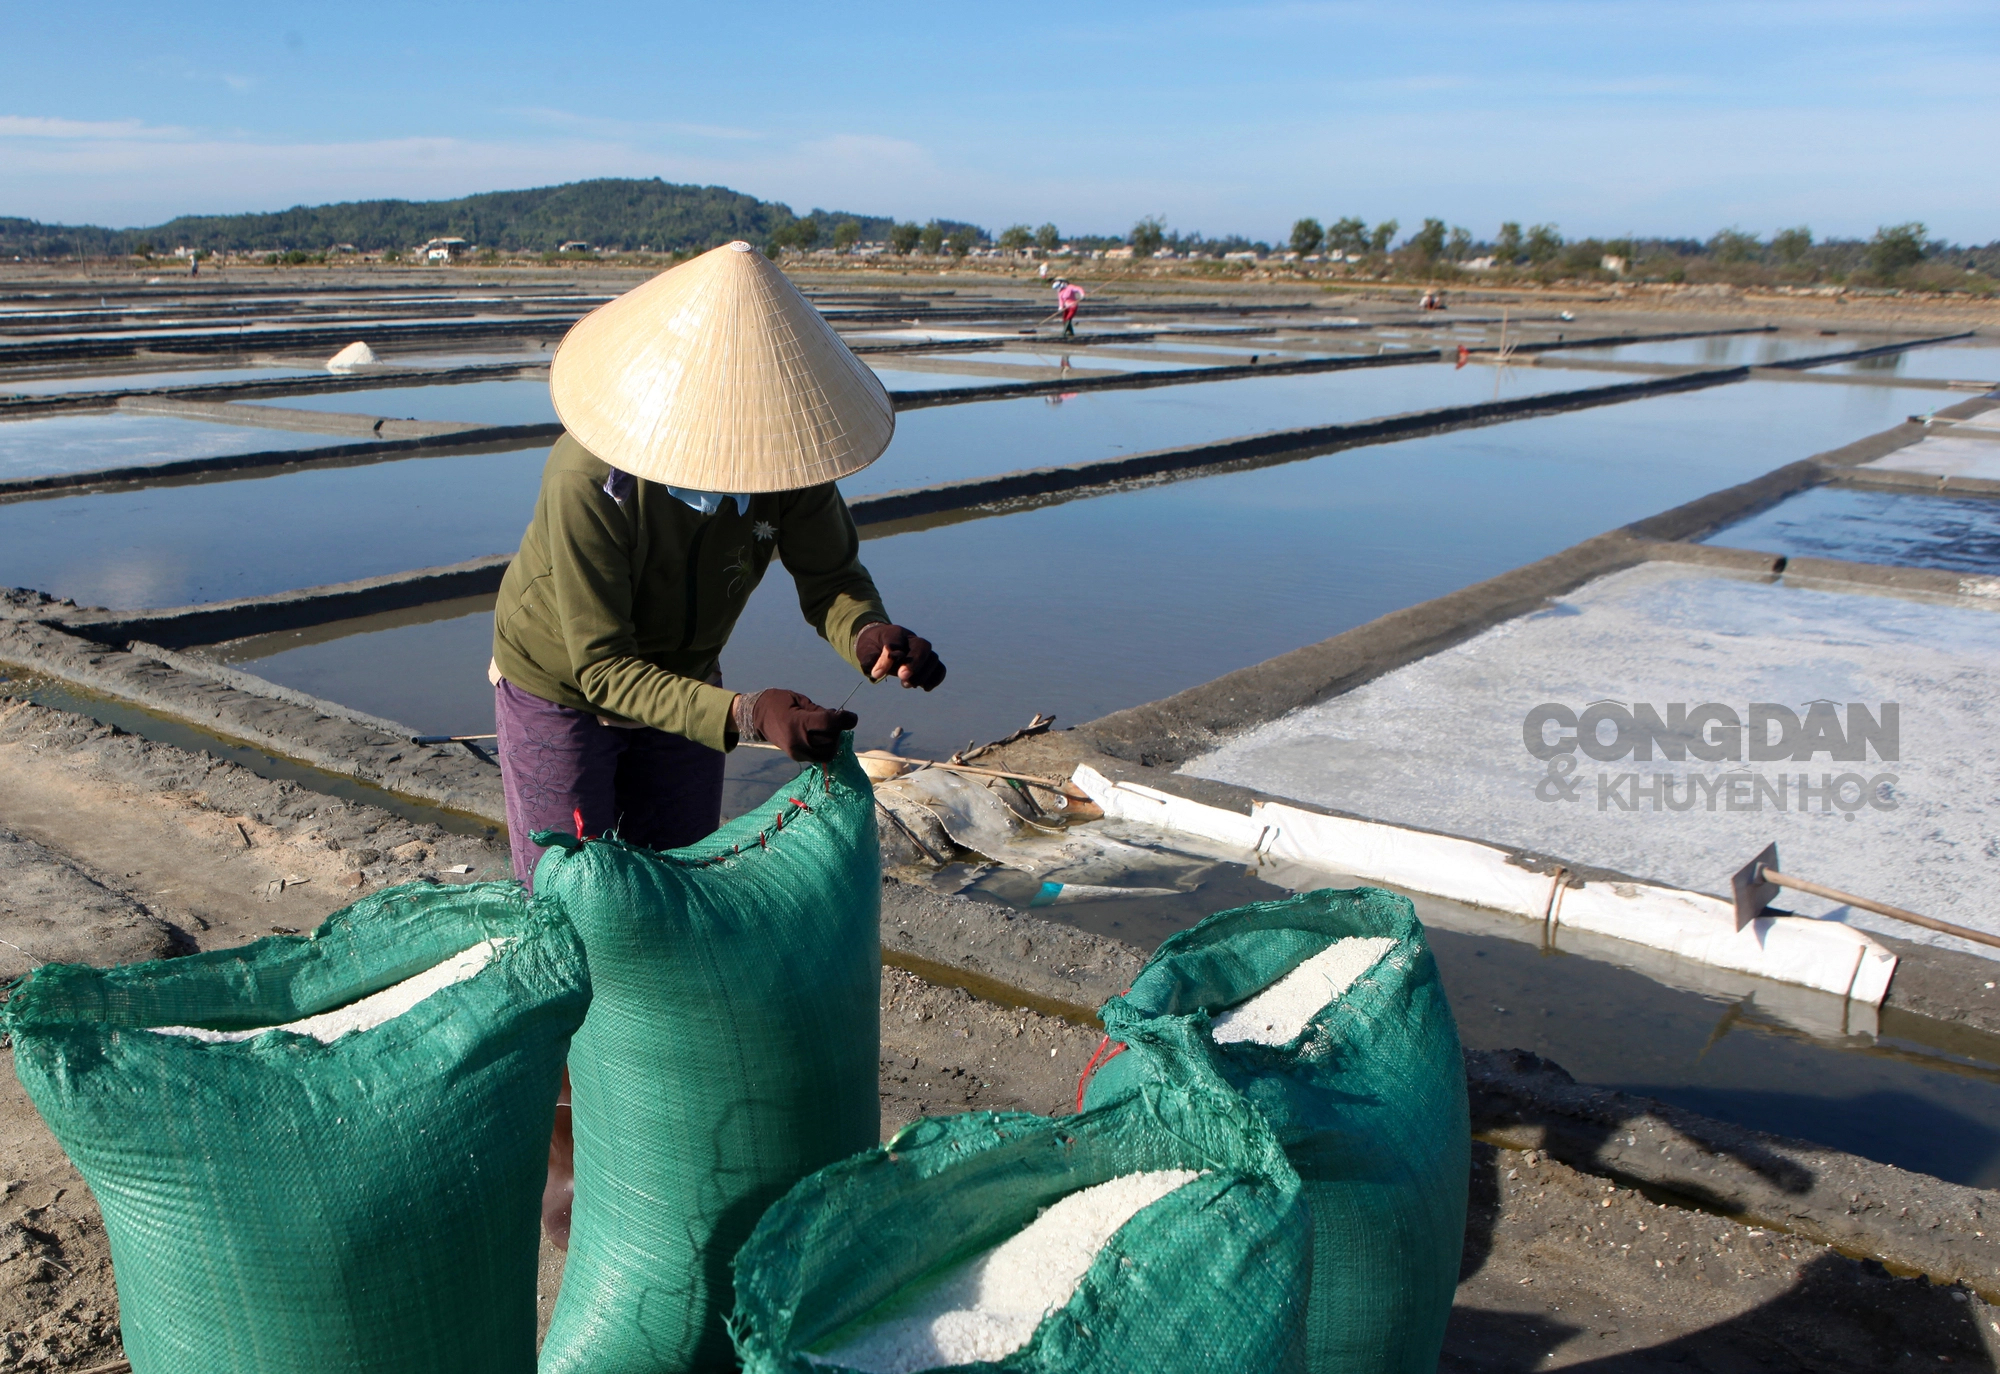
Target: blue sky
[[1600, 117]]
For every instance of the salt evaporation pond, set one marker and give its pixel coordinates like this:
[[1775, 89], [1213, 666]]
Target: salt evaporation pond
[[955, 442], [120, 439], [1938, 362], [1728, 350], [1171, 586], [169, 545], [133, 381], [523, 402], [1909, 530]]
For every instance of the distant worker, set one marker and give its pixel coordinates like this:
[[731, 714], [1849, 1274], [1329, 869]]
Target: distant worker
[[1067, 296]]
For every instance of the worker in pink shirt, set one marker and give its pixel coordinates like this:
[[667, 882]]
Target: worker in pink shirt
[[1067, 296]]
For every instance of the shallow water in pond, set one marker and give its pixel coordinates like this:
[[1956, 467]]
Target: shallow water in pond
[[1103, 603], [115, 439], [956, 442], [523, 402], [1729, 350], [131, 381], [1939, 362], [212, 540], [1909, 530]]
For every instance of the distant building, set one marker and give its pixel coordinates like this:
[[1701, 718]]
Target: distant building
[[1611, 262], [446, 250], [1123, 251], [1478, 264], [345, 248], [1245, 256], [574, 246]]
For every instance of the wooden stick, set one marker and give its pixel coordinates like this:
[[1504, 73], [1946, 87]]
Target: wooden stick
[[1834, 894], [448, 739], [1060, 789]]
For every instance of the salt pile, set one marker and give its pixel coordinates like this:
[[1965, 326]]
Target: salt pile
[[366, 1013], [1276, 1015], [988, 1307], [356, 354]]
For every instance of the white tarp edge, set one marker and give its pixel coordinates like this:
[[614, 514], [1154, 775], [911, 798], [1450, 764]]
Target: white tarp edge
[[1824, 955]]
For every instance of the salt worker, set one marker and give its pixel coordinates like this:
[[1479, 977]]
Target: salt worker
[[1068, 295], [708, 414]]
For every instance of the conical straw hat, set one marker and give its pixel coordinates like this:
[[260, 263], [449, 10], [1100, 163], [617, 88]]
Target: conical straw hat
[[719, 375]]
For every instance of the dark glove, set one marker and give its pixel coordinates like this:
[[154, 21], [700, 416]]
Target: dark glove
[[798, 725], [910, 657]]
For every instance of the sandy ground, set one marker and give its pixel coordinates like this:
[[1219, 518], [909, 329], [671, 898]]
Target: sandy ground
[[134, 848]]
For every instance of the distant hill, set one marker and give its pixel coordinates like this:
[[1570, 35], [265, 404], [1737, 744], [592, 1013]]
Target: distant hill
[[618, 213]]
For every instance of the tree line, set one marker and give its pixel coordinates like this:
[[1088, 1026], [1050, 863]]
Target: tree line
[[1896, 254], [621, 214]]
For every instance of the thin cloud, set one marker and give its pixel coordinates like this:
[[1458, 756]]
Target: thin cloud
[[44, 127]]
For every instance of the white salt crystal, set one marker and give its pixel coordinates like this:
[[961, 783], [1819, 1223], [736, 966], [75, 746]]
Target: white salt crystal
[[989, 1306], [1276, 1015], [356, 354], [366, 1013]]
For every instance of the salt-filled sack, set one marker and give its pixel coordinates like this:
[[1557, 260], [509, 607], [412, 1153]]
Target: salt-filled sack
[[1160, 1235], [325, 1152], [1325, 1012], [731, 1049]]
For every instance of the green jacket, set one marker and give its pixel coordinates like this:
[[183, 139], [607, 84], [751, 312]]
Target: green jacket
[[624, 609]]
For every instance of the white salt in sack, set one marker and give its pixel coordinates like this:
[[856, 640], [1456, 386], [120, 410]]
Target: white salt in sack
[[1280, 1012], [989, 1306], [364, 1013]]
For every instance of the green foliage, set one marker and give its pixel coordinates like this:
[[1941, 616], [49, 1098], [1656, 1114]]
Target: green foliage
[[1733, 245], [1015, 237], [846, 234], [1348, 235], [1307, 236], [1458, 247], [1544, 243], [805, 233], [1896, 247], [144, 250], [932, 238], [1147, 236], [617, 214], [1620, 248], [1384, 235], [962, 241], [904, 237], [1047, 238], [1507, 248], [1584, 256], [1428, 242], [1791, 245]]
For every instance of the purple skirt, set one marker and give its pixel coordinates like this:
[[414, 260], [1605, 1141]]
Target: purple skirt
[[564, 770]]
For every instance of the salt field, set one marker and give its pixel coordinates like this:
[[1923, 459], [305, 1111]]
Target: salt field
[[485, 403], [1910, 530], [209, 541], [89, 442], [1326, 544], [1442, 743], [1105, 598]]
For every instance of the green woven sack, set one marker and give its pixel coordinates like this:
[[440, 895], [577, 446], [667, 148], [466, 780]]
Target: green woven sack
[[731, 1049], [1369, 1102], [279, 1205], [1212, 1277]]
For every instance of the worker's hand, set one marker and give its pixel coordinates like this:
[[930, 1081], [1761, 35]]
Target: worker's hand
[[883, 649], [798, 725]]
